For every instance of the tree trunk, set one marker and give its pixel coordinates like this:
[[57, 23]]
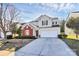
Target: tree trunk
[[5, 36]]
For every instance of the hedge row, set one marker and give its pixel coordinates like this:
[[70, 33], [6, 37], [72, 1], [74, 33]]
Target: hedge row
[[21, 37]]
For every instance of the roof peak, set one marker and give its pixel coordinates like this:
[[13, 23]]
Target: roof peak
[[48, 16], [43, 15]]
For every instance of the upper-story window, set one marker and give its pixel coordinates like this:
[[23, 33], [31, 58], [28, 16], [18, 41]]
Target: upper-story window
[[55, 22], [45, 22], [42, 22]]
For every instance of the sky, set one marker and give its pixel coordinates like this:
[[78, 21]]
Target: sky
[[31, 11]]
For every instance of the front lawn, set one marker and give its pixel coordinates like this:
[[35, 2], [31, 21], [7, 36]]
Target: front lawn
[[13, 43], [73, 44]]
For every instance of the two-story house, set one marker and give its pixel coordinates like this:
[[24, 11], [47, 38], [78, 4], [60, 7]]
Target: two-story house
[[48, 26], [43, 26]]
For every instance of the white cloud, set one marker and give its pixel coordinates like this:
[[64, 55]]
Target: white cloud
[[66, 7], [59, 6], [54, 6], [50, 5]]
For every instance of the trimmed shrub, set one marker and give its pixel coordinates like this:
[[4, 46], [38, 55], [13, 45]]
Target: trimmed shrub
[[25, 37], [62, 36]]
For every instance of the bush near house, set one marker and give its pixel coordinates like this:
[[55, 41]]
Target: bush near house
[[25, 37], [62, 36], [21, 37]]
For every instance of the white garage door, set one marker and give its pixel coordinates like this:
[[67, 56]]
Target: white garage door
[[49, 34]]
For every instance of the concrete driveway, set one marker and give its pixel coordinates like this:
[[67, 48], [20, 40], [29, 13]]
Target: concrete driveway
[[45, 47]]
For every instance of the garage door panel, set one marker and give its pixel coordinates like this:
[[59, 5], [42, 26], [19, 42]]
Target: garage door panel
[[48, 34]]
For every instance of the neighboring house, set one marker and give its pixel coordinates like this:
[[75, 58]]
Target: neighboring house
[[43, 26], [69, 31]]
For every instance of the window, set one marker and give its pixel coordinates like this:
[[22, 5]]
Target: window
[[42, 23], [52, 23], [46, 22], [56, 22]]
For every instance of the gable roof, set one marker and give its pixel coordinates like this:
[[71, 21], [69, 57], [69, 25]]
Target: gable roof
[[41, 16], [29, 24]]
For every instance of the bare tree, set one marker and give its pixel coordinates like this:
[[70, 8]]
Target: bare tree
[[13, 17], [8, 13]]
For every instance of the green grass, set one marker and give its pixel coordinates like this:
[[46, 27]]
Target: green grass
[[73, 44]]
